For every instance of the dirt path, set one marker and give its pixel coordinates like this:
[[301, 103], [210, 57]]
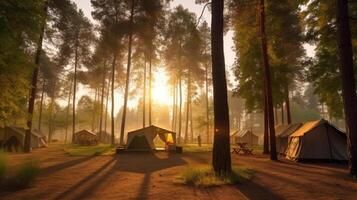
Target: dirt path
[[148, 176]]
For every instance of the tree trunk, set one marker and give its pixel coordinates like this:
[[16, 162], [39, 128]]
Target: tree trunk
[[126, 92], [191, 124], [173, 106], [282, 114], [276, 115], [207, 108], [348, 81], [102, 106], [188, 99], [106, 105], [269, 98], [287, 104], [150, 92], [41, 107], [180, 109], [94, 109], [221, 158], [33, 88], [74, 90], [50, 121], [112, 111], [144, 97], [67, 113], [266, 125]]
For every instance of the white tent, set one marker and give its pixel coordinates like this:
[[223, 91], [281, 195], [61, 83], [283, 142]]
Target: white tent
[[317, 140], [282, 133], [245, 136], [143, 139]]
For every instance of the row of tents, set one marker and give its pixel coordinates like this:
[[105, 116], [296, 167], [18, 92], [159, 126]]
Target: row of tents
[[314, 140]]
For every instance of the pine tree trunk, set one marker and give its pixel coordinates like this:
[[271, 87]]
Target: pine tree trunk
[[180, 109], [207, 108], [112, 111], [67, 113], [74, 90], [282, 114], [348, 81], [191, 124], [41, 107], [266, 125], [50, 121], [33, 88], [287, 104], [106, 105], [188, 104], [102, 107], [94, 109], [221, 158], [269, 98], [144, 97], [150, 92], [173, 106], [126, 92]]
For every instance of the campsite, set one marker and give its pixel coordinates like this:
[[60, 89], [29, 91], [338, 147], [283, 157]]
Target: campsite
[[178, 99]]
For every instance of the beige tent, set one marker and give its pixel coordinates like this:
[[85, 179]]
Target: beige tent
[[244, 136], [317, 140], [85, 137], [13, 139], [143, 139], [282, 136], [104, 137]]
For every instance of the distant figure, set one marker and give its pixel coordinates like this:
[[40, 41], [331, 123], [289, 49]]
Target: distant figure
[[199, 140]]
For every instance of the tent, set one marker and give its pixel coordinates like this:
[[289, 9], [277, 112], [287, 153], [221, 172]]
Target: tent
[[317, 140], [282, 136], [104, 137], [143, 139], [13, 139], [85, 137], [244, 136]]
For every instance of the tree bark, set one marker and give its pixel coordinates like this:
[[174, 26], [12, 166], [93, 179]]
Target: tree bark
[[348, 81], [94, 109], [144, 97], [33, 88], [188, 104], [41, 107], [221, 158], [74, 89], [269, 98], [207, 108], [287, 104], [106, 105], [67, 113], [282, 114], [150, 92], [50, 121], [173, 106], [180, 109], [112, 111], [102, 106], [266, 124], [191, 124], [126, 92]]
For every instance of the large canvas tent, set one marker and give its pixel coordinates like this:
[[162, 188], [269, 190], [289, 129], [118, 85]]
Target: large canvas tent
[[143, 139], [13, 139], [85, 137], [244, 136], [282, 136], [317, 140]]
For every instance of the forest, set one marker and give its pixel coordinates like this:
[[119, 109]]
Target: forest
[[246, 93]]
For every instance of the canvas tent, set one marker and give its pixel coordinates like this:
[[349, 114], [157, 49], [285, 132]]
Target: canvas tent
[[245, 136], [104, 137], [282, 136], [143, 139], [85, 137], [317, 140], [13, 139]]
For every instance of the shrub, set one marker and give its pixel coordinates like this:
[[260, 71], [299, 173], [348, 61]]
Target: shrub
[[205, 176], [26, 174]]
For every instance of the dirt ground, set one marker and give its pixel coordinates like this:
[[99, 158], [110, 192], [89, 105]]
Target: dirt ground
[[151, 176]]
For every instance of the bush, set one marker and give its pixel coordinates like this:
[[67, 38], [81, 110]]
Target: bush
[[205, 176], [3, 159], [26, 174]]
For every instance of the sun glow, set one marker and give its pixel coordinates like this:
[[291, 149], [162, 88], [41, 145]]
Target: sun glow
[[161, 91]]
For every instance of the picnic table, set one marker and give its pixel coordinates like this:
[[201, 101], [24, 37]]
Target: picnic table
[[242, 147]]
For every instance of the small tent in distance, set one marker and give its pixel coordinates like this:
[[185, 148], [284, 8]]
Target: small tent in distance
[[244, 136], [85, 137], [143, 139], [13, 139], [282, 136], [317, 140]]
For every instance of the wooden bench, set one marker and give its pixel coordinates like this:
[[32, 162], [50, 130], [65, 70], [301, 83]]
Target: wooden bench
[[242, 147]]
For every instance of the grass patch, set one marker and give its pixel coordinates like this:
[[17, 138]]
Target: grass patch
[[78, 150], [195, 148], [26, 174], [204, 176]]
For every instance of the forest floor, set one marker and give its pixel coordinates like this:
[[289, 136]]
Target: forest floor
[[152, 176]]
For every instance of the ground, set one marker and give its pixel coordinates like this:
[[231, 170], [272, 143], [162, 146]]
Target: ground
[[152, 176]]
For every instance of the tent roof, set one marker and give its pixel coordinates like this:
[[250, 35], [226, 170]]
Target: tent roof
[[22, 131], [85, 131], [153, 128], [242, 133], [308, 126], [287, 130]]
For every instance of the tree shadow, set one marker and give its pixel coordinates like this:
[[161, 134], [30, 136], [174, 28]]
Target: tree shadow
[[61, 166]]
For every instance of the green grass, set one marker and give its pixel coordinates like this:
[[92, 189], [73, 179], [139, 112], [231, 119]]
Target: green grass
[[3, 159], [204, 176], [26, 174], [195, 148], [78, 150]]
